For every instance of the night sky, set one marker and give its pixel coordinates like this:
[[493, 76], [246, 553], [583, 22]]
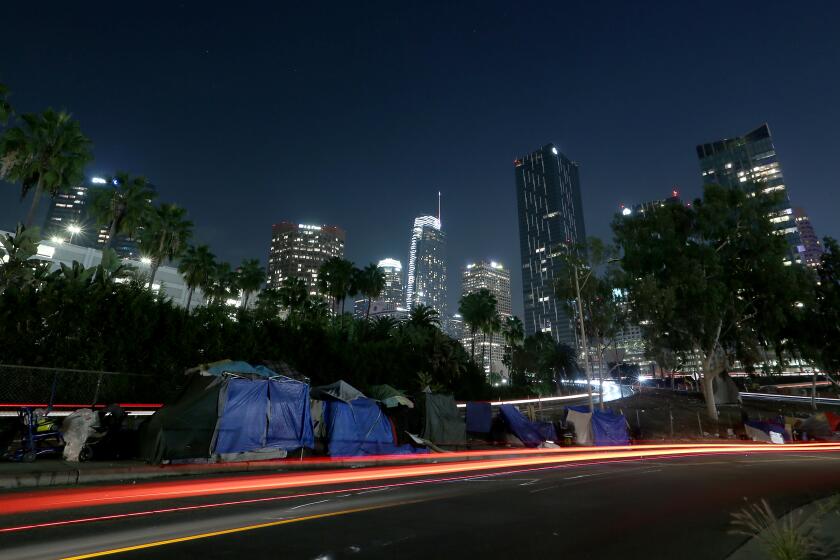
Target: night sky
[[356, 114]]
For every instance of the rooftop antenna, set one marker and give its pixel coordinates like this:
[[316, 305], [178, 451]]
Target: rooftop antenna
[[438, 206]]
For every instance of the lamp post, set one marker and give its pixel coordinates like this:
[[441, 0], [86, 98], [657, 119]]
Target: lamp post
[[583, 338], [73, 229]]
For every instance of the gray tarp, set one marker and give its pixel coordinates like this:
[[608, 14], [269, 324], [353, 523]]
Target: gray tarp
[[582, 421], [441, 422], [340, 390], [725, 390]]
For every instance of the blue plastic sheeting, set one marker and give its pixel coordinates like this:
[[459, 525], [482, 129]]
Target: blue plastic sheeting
[[243, 416], [608, 428], [531, 433], [768, 428], [479, 417], [232, 366], [289, 422], [359, 428]]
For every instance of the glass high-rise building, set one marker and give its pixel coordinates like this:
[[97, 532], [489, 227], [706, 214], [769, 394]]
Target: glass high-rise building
[[391, 302], [426, 282], [750, 162], [550, 223], [299, 250], [813, 249], [69, 219], [496, 279]]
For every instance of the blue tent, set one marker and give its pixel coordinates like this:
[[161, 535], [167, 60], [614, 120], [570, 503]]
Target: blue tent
[[609, 428], [262, 413], [359, 427], [532, 434], [479, 417]]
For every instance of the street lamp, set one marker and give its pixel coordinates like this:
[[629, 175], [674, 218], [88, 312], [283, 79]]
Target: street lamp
[[73, 229]]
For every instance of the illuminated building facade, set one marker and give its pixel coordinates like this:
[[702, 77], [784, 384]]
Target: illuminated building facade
[[426, 282], [391, 302], [550, 222], [299, 250], [813, 249], [750, 162], [496, 279]]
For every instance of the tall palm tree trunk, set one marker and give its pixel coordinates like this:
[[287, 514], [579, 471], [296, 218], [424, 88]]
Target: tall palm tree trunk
[[112, 231], [189, 298], [472, 341], [367, 312], [30, 216], [153, 272]]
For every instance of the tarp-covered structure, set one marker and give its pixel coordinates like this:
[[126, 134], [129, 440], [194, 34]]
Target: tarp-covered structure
[[227, 418], [479, 417], [598, 427], [532, 434], [438, 421], [353, 424], [389, 396], [725, 390]]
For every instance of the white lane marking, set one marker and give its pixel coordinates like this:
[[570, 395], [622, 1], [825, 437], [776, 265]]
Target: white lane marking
[[372, 491], [530, 482], [543, 489], [344, 496], [309, 504]]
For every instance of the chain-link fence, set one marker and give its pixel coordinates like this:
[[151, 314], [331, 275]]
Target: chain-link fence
[[59, 386]]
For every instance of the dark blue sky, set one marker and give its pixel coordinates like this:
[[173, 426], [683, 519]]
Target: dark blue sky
[[356, 114]]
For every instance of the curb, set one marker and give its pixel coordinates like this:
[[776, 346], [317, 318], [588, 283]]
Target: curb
[[71, 476]]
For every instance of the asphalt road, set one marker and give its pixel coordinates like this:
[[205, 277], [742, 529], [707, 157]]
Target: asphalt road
[[654, 508]]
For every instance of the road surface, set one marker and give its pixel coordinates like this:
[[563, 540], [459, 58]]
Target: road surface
[[659, 507]]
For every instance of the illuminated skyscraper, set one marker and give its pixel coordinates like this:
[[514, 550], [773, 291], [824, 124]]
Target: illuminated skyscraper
[[550, 223], [426, 283], [299, 250], [810, 242], [391, 302], [496, 279], [69, 218], [750, 162]]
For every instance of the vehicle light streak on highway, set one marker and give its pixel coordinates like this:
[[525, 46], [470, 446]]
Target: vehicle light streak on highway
[[86, 497]]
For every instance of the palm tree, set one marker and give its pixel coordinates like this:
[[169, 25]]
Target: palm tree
[[220, 284], [293, 294], [477, 308], [369, 281], [197, 266], [123, 208], [490, 327], [47, 153], [5, 106], [249, 278], [424, 316], [165, 236], [514, 332], [335, 278]]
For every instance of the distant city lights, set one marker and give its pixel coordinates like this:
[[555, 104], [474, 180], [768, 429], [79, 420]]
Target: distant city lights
[[98, 181]]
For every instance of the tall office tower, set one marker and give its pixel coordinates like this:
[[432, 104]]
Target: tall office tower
[[750, 162], [299, 250], [69, 218], [550, 223], [813, 249], [67, 215], [496, 279], [391, 301], [426, 283]]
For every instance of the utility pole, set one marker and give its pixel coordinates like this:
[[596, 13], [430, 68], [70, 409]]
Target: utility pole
[[583, 340]]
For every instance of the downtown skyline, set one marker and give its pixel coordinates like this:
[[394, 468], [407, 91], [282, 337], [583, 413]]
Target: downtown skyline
[[631, 130]]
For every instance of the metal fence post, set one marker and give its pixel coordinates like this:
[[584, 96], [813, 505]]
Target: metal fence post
[[96, 391]]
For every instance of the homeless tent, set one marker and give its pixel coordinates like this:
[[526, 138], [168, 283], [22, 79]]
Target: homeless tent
[[532, 434], [479, 417], [225, 417], [600, 427], [354, 424], [437, 420]]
